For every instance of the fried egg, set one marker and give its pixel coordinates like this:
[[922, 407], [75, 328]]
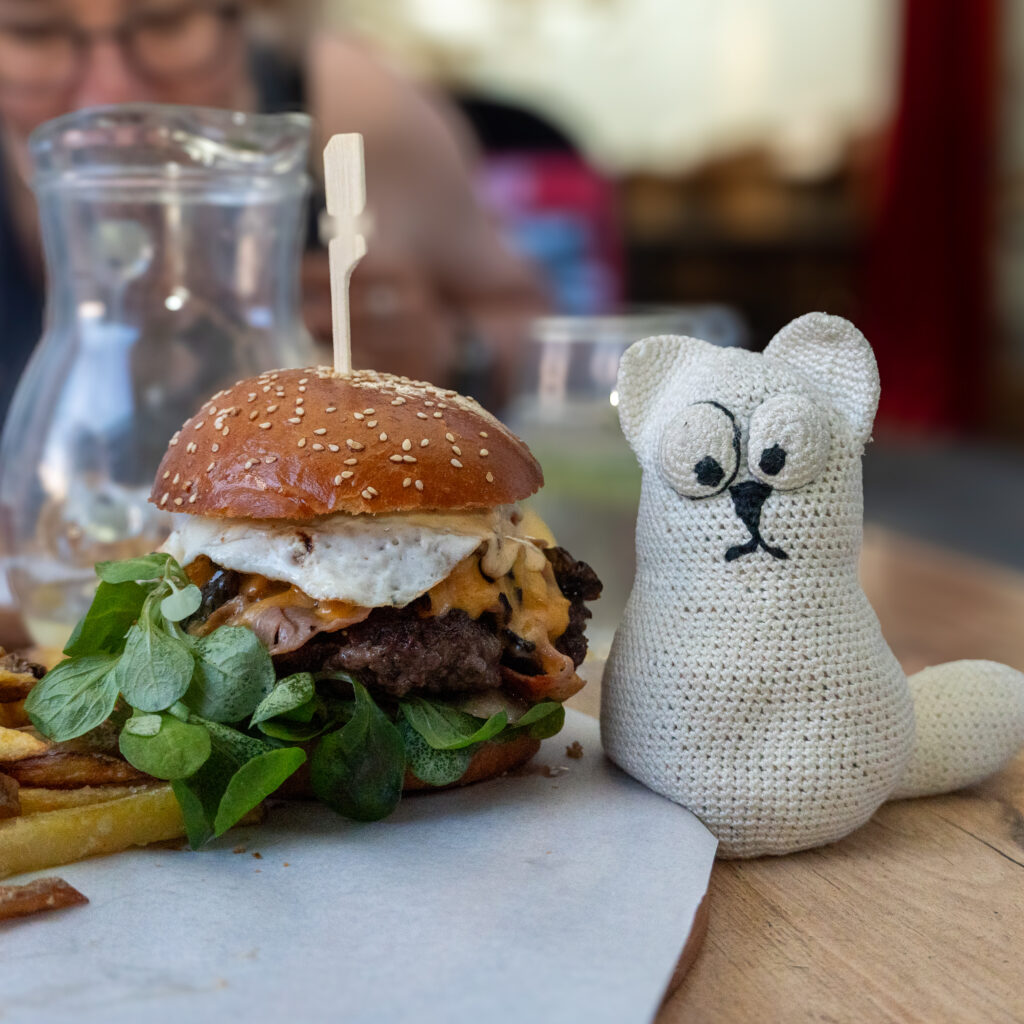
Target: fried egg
[[371, 561]]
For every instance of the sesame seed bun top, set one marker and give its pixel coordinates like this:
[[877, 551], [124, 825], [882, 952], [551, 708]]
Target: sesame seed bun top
[[296, 444]]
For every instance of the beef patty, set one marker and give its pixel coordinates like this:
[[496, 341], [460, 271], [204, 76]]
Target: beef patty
[[396, 651]]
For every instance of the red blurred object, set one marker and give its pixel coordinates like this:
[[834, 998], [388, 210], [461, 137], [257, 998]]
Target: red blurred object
[[928, 284]]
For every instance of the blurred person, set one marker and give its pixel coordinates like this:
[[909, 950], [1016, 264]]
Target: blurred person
[[437, 293]]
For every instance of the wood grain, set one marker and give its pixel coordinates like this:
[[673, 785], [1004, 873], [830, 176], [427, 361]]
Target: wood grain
[[919, 915]]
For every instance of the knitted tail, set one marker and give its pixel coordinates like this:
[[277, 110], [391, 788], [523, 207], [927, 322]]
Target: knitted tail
[[969, 718]]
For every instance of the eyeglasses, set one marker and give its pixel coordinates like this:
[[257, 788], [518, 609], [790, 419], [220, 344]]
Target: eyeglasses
[[161, 45]]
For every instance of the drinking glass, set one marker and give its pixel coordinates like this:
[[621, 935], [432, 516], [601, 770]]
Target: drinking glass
[[565, 409]]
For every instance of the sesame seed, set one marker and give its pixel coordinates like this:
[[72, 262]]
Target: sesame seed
[[337, 480], [318, 447], [254, 414], [484, 452], [421, 415], [267, 388], [225, 431], [179, 501], [456, 463], [407, 482], [215, 448], [177, 478], [398, 401], [428, 402], [395, 458], [249, 463], [302, 442], [166, 474], [191, 447], [320, 431], [163, 500], [209, 468], [367, 495], [193, 499], [355, 446], [383, 436], [490, 478], [483, 433], [174, 441], [369, 412], [373, 491], [270, 459], [406, 445], [419, 485], [456, 449], [331, 408], [265, 425], [251, 397], [347, 475], [424, 442], [273, 408], [351, 462], [301, 389], [334, 448], [437, 416], [294, 419], [303, 380], [408, 458], [358, 416], [450, 438], [199, 425], [371, 423], [299, 401]]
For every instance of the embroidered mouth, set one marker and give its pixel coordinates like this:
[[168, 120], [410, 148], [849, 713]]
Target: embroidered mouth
[[748, 499]]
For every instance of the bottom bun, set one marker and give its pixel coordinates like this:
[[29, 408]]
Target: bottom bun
[[491, 760]]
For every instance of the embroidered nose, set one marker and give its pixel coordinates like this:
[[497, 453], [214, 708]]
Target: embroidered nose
[[747, 499]]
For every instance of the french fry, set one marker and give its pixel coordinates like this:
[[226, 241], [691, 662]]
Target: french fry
[[37, 800], [15, 685], [10, 803], [35, 897], [68, 770], [12, 714], [20, 745], [35, 842]]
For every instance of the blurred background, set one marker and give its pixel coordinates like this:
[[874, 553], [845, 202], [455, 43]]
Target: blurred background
[[551, 179]]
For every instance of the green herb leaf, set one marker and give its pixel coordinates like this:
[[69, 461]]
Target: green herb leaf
[[233, 674], [290, 694], [447, 728], [74, 697], [434, 767], [175, 751], [359, 769], [155, 670], [233, 744], [114, 609], [254, 782], [143, 725], [292, 732], [199, 796], [149, 567], [181, 603], [543, 720]]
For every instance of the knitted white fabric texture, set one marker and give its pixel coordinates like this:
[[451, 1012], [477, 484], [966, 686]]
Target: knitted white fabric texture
[[749, 679]]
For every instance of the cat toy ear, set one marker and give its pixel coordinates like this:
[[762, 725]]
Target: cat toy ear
[[648, 368], [836, 357]]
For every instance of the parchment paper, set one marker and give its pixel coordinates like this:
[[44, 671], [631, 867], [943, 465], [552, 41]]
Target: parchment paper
[[552, 896]]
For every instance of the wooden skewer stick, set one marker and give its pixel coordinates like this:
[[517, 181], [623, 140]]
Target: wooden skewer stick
[[345, 180]]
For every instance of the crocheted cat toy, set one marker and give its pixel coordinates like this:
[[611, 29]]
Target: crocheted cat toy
[[749, 680]]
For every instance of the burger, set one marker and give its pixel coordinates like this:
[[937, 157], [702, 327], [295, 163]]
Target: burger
[[365, 528]]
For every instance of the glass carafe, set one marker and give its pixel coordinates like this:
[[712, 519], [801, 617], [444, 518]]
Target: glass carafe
[[172, 237]]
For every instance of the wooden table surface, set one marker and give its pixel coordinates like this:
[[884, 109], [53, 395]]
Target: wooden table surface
[[917, 916]]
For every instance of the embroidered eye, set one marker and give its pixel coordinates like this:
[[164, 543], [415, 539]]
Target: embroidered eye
[[700, 450], [789, 441]]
